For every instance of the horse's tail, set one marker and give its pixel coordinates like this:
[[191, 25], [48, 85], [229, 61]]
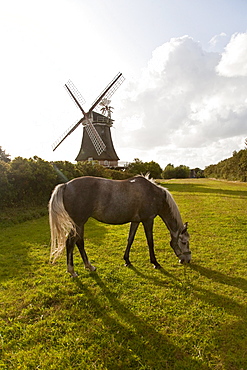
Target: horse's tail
[[61, 223]]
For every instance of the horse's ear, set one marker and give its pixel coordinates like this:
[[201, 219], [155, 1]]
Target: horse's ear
[[185, 228]]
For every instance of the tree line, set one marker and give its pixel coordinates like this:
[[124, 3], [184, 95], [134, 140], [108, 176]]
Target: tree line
[[31, 181], [233, 168]]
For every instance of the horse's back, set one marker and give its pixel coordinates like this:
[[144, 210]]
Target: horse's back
[[110, 201]]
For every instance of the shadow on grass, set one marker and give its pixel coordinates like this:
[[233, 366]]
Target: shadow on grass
[[135, 344], [215, 299], [155, 280], [21, 247], [19, 244], [201, 188], [219, 277], [95, 230], [230, 337], [232, 342]]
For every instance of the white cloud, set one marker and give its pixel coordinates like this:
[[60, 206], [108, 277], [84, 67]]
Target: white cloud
[[185, 105], [234, 59], [218, 42]]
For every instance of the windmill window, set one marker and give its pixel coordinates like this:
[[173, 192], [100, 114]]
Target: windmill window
[[90, 159], [106, 163]]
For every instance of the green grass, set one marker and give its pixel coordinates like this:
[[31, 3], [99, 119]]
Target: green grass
[[16, 215], [131, 318]]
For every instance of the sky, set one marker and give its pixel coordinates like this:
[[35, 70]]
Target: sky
[[184, 98]]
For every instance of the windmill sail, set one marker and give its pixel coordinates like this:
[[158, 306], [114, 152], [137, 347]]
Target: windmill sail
[[75, 95], [95, 138], [66, 134], [109, 90]]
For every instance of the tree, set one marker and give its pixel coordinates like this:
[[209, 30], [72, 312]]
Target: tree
[[169, 172], [139, 167], [182, 172], [91, 169], [154, 169], [198, 172], [32, 180], [66, 170], [5, 187], [3, 156], [233, 168]]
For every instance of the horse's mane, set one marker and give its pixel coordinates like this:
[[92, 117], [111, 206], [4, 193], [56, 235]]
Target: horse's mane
[[169, 198]]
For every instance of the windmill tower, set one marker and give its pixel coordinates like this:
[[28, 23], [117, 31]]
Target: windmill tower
[[96, 140]]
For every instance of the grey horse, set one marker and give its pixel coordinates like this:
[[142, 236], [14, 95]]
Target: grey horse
[[134, 200]]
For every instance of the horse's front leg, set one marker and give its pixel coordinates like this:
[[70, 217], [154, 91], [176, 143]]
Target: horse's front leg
[[132, 232], [80, 245], [148, 227], [70, 243]]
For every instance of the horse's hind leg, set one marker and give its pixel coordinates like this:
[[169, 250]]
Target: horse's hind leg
[[80, 245], [132, 232], [70, 243], [148, 227]]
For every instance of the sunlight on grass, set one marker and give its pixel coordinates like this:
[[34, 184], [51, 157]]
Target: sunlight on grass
[[140, 318]]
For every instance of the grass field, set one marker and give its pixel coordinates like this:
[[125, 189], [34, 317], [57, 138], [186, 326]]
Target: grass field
[[178, 317]]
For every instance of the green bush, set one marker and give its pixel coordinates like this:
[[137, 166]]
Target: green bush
[[5, 187], [26, 182], [30, 181]]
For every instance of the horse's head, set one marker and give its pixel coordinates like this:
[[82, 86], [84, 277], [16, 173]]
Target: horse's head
[[180, 245]]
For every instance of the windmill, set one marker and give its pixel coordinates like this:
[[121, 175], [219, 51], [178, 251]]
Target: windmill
[[96, 140]]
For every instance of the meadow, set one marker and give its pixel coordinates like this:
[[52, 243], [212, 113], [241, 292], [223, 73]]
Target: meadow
[[178, 317]]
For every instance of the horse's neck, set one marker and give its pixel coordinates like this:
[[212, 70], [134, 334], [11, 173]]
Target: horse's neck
[[173, 225], [171, 216]]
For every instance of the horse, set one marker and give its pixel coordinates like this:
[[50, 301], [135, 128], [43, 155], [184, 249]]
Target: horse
[[135, 200]]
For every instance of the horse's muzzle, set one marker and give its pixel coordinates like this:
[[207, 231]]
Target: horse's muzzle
[[185, 257]]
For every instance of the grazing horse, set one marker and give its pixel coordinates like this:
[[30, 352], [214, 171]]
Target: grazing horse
[[117, 202]]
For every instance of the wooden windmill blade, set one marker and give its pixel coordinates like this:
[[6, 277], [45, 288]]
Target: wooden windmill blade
[[66, 134], [79, 101], [75, 95], [95, 138], [109, 90]]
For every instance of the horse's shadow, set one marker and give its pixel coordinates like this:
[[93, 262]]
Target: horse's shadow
[[227, 302], [219, 277], [154, 278], [185, 283], [138, 334], [135, 333]]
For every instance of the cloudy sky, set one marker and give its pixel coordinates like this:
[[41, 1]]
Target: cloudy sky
[[184, 100]]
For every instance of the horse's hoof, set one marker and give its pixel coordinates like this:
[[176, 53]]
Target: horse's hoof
[[90, 268], [74, 275], [128, 264], [157, 266]]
